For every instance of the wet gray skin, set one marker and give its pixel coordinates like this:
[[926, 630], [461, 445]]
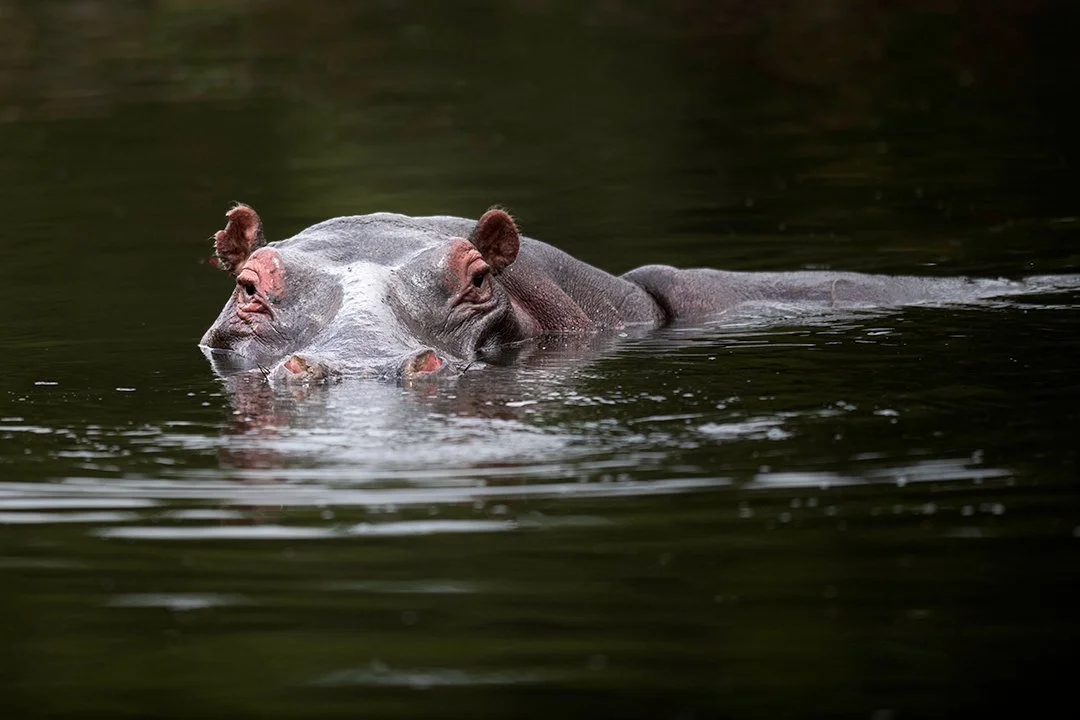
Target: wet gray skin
[[393, 296]]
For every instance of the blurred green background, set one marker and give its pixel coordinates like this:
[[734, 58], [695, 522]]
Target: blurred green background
[[901, 136]]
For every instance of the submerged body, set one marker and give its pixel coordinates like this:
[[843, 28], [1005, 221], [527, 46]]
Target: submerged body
[[397, 296]]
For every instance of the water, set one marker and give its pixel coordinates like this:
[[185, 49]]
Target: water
[[870, 514]]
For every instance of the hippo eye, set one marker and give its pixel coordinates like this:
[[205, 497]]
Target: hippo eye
[[478, 278], [249, 289]]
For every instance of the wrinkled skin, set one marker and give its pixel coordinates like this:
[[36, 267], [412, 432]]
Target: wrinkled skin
[[392, 296]]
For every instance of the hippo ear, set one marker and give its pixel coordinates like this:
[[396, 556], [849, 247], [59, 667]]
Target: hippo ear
[[497, 239], [242, 236]]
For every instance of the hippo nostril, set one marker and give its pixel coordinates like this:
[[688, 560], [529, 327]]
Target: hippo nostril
[[296, 365], [425, 361], [302, 369]]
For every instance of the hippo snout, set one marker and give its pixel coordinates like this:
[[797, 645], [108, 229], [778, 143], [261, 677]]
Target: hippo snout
[[304, 369]]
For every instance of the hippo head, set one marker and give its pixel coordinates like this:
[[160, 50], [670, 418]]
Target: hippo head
[[376, 295]]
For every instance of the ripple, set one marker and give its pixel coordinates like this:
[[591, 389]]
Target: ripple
[[937, 470], [763, 428], [245, 532], [36, 518], [150, 492], [176, 601], [425, 678], [81, 503], [809, 479], [203, 514], [30, 429], [430, 527], [293, 532], [403, 587]]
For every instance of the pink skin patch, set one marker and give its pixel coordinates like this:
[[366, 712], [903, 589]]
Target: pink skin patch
[[259, 284], [467, 273], [426, 362], [304, 370], [295, 365]]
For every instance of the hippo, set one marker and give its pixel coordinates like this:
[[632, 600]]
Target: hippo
[[398, 297]]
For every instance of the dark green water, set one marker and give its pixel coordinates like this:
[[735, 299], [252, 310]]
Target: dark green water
[[869, 515]]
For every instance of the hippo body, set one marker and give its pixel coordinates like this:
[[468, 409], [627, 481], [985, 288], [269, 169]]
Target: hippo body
[[400, 297]]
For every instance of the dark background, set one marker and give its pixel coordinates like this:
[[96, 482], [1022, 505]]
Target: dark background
[[885, 517]]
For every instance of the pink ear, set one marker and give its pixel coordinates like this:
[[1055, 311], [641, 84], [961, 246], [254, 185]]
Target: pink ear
[[497, 239], [242, 236]]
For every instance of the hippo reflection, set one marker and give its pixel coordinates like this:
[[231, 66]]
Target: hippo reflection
[[394, 296]]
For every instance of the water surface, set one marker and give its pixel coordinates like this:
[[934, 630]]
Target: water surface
[[867, 514]]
